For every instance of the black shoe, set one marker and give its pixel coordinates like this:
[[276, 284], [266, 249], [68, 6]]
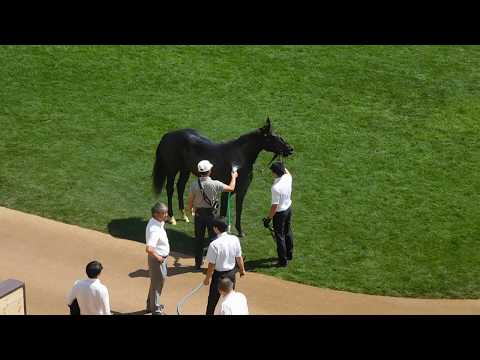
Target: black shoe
[[281, 264], [290, 258], [160, 311]]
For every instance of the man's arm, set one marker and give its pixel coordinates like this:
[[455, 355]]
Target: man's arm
[[231, 187], [241, 265], [208, 276], [151, 251], [273, 210]]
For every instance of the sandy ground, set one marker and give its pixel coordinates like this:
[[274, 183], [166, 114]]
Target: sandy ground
[[49, 256]]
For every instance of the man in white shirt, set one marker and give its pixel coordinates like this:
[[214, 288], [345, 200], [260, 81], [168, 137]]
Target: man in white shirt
[[234, 303], [222, 255], [91, 294], [281, 212], [158, 250]]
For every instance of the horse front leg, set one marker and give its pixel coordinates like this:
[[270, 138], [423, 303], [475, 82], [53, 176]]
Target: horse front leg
[[170, 189], [223, 204], [182, 181], [241, 192]]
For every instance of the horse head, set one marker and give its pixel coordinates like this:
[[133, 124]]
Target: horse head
[[273, 142]]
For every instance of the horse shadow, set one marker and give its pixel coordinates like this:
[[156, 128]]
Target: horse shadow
[[134, 229]]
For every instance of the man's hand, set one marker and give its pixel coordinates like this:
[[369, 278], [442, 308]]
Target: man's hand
[[242, 273], [266, 222], [206, 281], [234, 174]]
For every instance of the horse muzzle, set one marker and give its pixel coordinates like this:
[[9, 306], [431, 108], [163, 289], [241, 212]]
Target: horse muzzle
[[288, 152]]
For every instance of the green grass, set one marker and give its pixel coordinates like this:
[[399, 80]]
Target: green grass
[[386, 186]]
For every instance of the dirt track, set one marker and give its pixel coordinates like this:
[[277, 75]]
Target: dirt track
[[49, 256]]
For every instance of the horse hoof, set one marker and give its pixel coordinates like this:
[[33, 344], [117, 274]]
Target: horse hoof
[[172, 220], [185, 217]]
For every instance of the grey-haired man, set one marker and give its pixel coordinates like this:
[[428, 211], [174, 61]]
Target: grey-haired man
[[158, 250]]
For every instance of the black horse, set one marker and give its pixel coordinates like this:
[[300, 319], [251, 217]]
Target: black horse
[[181, 150]]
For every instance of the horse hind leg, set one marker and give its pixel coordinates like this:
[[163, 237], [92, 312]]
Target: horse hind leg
[[170, 189], [182, 181]]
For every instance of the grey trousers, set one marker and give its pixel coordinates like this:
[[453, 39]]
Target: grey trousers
[[158, 276]]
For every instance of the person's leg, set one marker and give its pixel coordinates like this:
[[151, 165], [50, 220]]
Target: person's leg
[[200, 227], [289, 234], [211, 233], [156, 284], [213, 294], [278, 227]]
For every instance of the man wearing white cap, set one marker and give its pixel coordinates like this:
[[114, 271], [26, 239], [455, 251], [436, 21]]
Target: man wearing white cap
[[203, 197]]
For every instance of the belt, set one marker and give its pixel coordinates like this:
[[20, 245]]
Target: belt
[[203, 211], [281, 212], [223, 272]]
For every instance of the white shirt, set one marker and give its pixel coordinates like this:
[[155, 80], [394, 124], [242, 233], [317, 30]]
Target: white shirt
[[234, 303], [223, 250], [92, 297], [156, 237], [282, 191]]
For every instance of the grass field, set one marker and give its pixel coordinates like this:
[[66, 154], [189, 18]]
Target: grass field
[[386, 186]]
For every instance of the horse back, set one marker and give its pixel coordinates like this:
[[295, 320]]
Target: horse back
[[182, 149]]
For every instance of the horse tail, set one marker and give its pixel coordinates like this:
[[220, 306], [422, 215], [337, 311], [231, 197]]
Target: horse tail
[[158, 174]]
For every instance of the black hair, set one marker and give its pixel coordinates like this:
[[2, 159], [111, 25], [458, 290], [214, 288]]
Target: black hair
[[220, 223], [225, 284], [93, 269], [278, 168]]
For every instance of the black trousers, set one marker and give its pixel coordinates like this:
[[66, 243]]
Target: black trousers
[[283, 235], [214, 294], [203, 221]]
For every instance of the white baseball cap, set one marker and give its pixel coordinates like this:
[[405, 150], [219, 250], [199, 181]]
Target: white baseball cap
[[204, 166]]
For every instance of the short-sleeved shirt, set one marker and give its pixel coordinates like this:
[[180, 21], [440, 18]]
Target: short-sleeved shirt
[[223, 250], [92, 297], [156, 237], [212, 189], [234, 303], [282, 192]]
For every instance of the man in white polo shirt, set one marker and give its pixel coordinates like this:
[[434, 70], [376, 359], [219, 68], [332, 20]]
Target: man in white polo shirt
[[158, 250], [222, 255], [91, 294], [281, 212], [234, 303]]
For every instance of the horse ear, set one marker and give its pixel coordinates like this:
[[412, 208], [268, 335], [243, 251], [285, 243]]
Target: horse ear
[[268, 126]]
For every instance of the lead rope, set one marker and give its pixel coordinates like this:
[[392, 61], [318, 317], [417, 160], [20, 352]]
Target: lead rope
[[186, 297], [229, 213]]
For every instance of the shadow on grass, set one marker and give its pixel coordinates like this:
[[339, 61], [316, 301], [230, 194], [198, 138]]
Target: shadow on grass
[[251, 265], [134, 229]]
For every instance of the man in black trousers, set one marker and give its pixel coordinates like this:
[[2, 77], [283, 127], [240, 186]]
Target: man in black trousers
[[222, 255], [281, 212]]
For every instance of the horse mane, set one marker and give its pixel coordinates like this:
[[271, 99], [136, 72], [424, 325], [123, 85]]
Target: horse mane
[[242, 139]]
